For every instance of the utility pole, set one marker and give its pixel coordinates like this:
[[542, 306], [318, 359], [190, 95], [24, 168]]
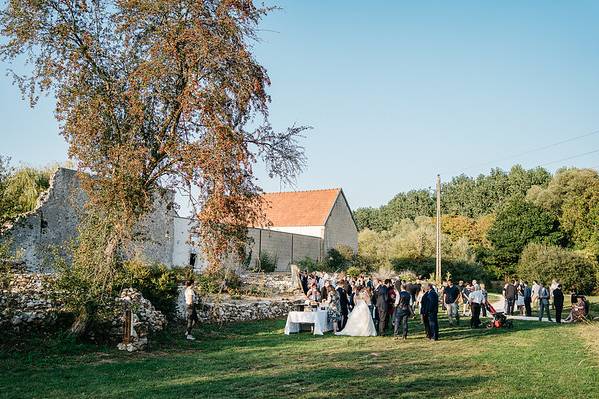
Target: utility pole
[[438, 249]]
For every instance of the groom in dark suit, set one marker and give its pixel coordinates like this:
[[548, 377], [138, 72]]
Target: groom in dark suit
[[382, 304], [343, 304]]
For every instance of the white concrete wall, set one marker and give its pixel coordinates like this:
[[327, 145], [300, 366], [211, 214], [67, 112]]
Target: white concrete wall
[[182, 247], [313, 231], [340, 228], [286, 247]]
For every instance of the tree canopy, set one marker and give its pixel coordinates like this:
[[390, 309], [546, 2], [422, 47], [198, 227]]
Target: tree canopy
[[467, 196], [154, 94], [488, 221]]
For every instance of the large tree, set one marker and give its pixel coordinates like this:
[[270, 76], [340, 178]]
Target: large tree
[[519, 222], [153, 94]]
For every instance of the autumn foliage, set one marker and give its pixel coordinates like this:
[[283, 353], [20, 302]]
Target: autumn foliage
[[154, 94]]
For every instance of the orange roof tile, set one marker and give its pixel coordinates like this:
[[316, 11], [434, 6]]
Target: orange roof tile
[[299, 208]]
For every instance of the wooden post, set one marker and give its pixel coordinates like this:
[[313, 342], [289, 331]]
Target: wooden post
[[438, 275], [127, 327]]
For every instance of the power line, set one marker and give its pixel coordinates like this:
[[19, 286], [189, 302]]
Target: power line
[[571, 157], [542, 148]]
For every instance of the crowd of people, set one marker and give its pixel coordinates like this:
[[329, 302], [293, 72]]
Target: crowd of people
[[521, 297], [391, 302]]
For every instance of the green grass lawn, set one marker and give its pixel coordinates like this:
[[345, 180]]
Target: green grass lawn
[[255, 360]]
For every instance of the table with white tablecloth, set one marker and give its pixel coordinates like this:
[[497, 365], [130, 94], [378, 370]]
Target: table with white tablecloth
[[317, 318]]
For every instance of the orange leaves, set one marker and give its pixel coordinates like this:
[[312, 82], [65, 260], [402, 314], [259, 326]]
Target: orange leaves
[[150, 91]]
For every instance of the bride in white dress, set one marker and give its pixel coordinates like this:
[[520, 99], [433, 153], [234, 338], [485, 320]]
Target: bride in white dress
[[359, 322]]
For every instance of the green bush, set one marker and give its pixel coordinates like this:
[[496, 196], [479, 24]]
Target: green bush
[[573, 269], [308, 264], [459, 270], [221, 281], [156, 282], [353, 271], [407, 275], [266, 263], [338, 259]]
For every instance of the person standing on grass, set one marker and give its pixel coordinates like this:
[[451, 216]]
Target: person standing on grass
[[483, 289], [558, 302], [402, 312], [424, 307], [535, 293], [476, 300], [451, 294], [527, 299], [520, 299], [543, 301], [392, 294], [466, 289], [343, 304], [552, 287], [509, 294], [432, 307], [381, 301], [192, 315]]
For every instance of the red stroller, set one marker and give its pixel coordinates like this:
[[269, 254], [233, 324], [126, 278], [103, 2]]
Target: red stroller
[[499, 320]]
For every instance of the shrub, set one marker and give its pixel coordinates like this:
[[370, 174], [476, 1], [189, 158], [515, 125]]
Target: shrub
[[218, 282], [335, 260], [353, 271], [459, 270], [574, 269], [407, 275], [266, 263], [156, 282], [308, 264]]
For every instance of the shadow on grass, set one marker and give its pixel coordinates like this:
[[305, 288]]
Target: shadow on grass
[[330, 382], [214, 337]]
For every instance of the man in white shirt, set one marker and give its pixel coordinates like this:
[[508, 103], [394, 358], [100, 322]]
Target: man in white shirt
[[192, 316], [535, 292], [476, 299]]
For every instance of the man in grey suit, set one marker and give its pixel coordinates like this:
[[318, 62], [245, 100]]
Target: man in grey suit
[[543, 302]]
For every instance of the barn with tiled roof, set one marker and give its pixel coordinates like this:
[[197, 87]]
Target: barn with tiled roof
[[301, 224], [319, 213]]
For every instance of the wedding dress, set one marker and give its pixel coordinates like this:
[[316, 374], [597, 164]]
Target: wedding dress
[[359, 322]]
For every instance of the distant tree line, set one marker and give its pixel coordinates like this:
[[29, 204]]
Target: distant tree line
[[494, 226]]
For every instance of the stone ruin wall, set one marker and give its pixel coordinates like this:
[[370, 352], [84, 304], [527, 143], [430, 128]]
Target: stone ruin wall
[[53, 224], [29, 304]]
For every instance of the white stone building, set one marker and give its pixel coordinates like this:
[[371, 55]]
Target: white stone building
[[302, 224]]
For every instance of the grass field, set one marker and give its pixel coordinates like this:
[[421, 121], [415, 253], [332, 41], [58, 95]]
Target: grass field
[[255, 360]]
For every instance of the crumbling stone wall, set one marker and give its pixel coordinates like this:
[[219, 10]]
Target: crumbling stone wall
[[53, 224], [28, 304]]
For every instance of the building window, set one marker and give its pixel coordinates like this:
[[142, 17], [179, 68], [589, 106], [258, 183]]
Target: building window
[[192, 259]]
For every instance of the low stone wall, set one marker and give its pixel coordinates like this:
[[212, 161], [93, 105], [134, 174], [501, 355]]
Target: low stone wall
[[28, 304], [227, 310], [243, 310], [277, 283]]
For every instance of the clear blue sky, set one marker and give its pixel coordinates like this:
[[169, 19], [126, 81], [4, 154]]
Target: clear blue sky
[[400, 91]]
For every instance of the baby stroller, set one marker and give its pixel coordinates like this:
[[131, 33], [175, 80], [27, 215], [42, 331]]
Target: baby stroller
[[499, 320]]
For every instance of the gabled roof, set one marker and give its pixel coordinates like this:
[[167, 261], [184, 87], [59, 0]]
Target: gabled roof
[[299, 208]]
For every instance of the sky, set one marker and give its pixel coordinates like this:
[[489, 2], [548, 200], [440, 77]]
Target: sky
[[398, 92]]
